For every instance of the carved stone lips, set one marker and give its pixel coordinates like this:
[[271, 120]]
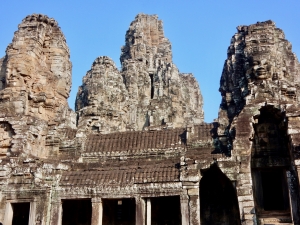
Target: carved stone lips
[[261, 71]]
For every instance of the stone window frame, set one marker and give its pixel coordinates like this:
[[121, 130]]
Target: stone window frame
[[8, 216]]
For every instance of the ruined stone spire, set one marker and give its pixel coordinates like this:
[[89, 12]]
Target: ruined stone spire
[[156, 94], [260, 68], [36, 70]]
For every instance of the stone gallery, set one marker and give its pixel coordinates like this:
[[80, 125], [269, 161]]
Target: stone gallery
[[137, 150]]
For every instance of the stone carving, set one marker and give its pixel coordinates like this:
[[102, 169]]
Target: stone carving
[[103, 97], [36, 71], [161, 93], [35, 83], [260, 67], [6, 133], [148, 91]]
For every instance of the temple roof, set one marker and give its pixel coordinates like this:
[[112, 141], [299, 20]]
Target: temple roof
[[118, 174], [136, 140]]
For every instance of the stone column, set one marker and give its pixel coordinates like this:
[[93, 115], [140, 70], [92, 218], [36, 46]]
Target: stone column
[[184, 205], [32, 211], [140, 211], [148, 211], [245, 194], [97, 211], [56, 213], [194, 206], [8, 214]]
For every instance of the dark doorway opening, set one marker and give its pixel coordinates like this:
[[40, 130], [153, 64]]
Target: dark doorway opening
[[165, 210], [218, 198], [77, 212], [20, 213], [275, 195], [119, 211]]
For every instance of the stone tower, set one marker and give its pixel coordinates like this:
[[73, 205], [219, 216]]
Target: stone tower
[[36, 70], [259, 121], [148, 92], [35, 84]]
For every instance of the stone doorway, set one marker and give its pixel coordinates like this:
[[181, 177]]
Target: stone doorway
[[274, 190], [76, 212], [165, 210], [270, 162], [218, 199], [119, 211], [20, 213]]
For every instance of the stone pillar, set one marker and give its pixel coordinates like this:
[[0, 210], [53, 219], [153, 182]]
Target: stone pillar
[[194, 206], [97, 211], [184, 205], [56, 213], [140, 211], [148, 211], [245, 195], [8, 214], [32, 211]]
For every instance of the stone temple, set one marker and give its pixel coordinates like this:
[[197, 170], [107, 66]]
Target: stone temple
[[136, 150]]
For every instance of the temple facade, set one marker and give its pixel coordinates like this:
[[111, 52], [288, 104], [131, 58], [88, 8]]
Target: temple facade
[[136, 150]]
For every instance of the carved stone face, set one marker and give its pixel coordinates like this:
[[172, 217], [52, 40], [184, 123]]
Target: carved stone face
[[275, 76], [14, 80], [262, 69], [228, 97], [17, 74], [92, 99]]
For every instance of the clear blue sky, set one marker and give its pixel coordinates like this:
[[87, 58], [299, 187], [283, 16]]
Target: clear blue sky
[[200, 31]]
